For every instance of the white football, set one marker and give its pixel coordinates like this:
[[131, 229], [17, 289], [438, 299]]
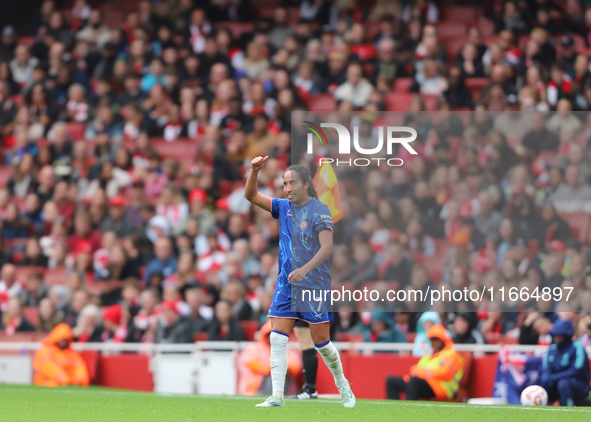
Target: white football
[[534, 395]]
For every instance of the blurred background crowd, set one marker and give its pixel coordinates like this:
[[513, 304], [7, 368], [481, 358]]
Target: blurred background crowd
[[127, 130]]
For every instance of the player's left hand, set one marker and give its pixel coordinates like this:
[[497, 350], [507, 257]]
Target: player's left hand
[[297, 275]]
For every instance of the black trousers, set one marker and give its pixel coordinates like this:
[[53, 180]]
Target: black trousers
[[415, 388]]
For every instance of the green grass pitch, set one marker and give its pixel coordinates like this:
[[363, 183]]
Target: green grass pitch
[[23, 404]]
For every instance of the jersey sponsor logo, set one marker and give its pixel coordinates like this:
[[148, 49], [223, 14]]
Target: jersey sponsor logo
[[303, 224]]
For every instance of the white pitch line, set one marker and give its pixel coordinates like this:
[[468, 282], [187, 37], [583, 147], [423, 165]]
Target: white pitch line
[[320, 400]]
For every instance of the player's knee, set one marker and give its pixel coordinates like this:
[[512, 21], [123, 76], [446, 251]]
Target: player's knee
[[320, 338], [563, 385]]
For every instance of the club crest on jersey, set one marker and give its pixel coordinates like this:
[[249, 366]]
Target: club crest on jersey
[[303, 224]]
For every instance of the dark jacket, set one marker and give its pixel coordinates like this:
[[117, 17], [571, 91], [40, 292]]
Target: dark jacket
[[177, 333], [235, 333], [567, 359]]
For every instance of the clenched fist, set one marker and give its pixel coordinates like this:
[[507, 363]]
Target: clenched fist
[[257, 163]]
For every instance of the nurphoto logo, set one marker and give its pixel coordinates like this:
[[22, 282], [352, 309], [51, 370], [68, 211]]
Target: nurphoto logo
[[345, 144]]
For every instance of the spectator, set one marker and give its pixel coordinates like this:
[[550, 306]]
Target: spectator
[[234, 294], [396, 267], [117, 221], [346, 319], [260, 140], [572, 189], [173, 328], [535, 329], [9, 286], [13, 227], [89, 327], [48, 317], [80, 298], [565, 379], [198, 317], [13, 319], [116, 319], [382, 330], [357, 89], [34, 255], [422, 343], [56, 364], [255, 375], [95, 32], [457, 94], [464, 329], [225, 326], [165, 262], [488, 219], [22, 65], [539, 138], [564, 119], [362, 268], [83, 233], [437, 375], [36, 290]]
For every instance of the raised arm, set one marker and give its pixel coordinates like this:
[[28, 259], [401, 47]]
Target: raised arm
[[251, 191]]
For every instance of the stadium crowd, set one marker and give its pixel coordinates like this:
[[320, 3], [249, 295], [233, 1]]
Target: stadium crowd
[[127, 138]]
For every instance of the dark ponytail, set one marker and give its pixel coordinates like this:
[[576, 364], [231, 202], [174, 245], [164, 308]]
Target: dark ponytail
[[304, 175]]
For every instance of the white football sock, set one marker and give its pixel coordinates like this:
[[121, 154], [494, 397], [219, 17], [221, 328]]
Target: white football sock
[[278, 362], [332, 359]]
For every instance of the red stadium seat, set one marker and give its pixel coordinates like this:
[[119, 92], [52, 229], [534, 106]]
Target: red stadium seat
[[398, 101], [579, 223], [23, 272], [322, 102], [76, 131], [403, 84], [451, 30], [490, 39], [201, 337], [454, 46], [236, 28], [113, 18], [5, 173], [431, 102], [250, 328], [486, 26], [523, 39], [31, 314], [181, 149], [371, 29], [460, 14], [476, 86], [29, 41], [55, 276]]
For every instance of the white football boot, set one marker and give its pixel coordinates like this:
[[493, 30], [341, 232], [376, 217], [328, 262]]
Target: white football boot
[[272, 401], [347, 396]]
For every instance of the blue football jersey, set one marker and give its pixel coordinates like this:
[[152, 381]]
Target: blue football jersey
[[281, 210], [299, 238]]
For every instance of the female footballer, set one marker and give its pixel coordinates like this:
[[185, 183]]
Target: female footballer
[[305, 243]]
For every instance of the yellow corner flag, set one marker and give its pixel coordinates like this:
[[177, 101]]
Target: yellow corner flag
[[327, 187]]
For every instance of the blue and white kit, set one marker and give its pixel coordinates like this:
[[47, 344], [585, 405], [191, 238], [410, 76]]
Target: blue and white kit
[[299, 229]]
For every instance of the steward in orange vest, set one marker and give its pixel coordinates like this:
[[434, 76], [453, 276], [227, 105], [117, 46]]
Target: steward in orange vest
[[437, 375], [55, 364]]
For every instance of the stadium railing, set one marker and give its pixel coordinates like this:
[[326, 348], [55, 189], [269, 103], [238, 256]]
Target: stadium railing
[[364, 348]]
